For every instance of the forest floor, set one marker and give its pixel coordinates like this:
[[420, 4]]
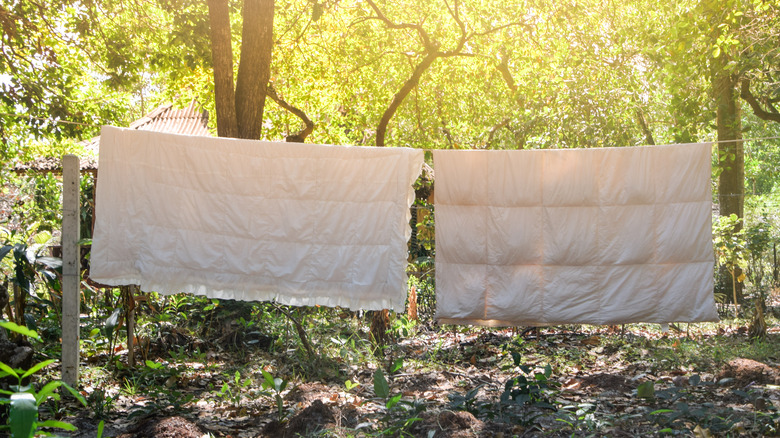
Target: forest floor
[[694, 380]]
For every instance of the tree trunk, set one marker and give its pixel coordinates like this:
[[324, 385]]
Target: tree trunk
[[380, 322], [731, 183], [222, 60], [254, 69]]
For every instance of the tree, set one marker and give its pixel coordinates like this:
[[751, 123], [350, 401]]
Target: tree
[[240, 109], [42, 77]]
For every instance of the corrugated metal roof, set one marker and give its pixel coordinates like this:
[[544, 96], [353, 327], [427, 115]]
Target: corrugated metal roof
[[189, 121]]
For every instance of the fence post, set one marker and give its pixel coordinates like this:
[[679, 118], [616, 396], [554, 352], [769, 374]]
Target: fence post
[[71, 269]]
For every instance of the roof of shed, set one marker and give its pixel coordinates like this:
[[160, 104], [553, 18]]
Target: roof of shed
[[189, 121]]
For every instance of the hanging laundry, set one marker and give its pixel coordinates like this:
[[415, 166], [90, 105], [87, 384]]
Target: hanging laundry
[[300, 224], [586, 236]]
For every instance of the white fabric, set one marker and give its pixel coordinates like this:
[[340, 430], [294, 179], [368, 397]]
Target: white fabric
[[301, 224], [596, 236]]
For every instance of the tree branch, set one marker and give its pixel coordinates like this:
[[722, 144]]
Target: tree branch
[[755, 105], [504, 123], [300, 136], [503, 68], [416, 27], [645, 130], [407, 87]]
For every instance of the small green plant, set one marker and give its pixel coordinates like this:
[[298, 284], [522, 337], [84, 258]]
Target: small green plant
[[109, 330], [730, 248], [159, 382], [277, 385], [468, 402], [401, 326], [533, 388], [24, 401], [581, 417], [400, 414], [130, 387], [102, 404], [350, 385], [231, 389]]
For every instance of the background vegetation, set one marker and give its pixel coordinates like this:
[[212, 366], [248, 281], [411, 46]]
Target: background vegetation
[[428, 74]]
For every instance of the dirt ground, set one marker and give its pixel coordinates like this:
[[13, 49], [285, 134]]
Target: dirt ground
[[451, 385]]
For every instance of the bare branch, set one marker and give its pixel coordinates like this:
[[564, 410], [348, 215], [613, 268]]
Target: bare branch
[[300, 136], [416, 27], [756, 105], [503, 68], [493, 130], [400, 95]]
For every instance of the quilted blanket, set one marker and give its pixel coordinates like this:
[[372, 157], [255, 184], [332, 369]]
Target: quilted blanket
[[300, 224], [597, 236]]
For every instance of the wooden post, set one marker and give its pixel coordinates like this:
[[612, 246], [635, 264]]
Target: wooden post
[[71, 269]]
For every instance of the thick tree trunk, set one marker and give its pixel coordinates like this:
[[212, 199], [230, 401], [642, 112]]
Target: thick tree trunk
[[222, 60], [254, 69], [731, 183], [399, 97]]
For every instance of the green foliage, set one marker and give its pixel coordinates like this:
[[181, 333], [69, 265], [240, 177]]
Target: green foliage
[[400, 414], [531, 388], [730, 248], [468, 402], [276, 385], [24, 401], [232, 388], [646, 390], [23, 415], [158, 381], [381, 388], [22, 330], [101, 403], [27, 268]]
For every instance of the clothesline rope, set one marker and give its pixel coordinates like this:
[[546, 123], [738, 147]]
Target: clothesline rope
[[43, 119]]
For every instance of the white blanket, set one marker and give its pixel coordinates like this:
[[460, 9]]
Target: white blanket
[[597, 236], [300, 224]]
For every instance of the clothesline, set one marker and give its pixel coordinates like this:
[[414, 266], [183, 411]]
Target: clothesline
[[26, 116]]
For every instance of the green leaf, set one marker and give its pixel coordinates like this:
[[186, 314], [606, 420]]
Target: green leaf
[[50, 262], [350, 384], [316, 12], [646, 390], [47, 389], [269, 380], [4, 251], [9, 370], [279, 384], [397, 365], [75, 393], [42, 237], [57, 424], [393, 401], [8, 325], [38, 367], [381, 388], [153, 365], [716, 52], [100, 427], [22, 415], [111, 322]]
